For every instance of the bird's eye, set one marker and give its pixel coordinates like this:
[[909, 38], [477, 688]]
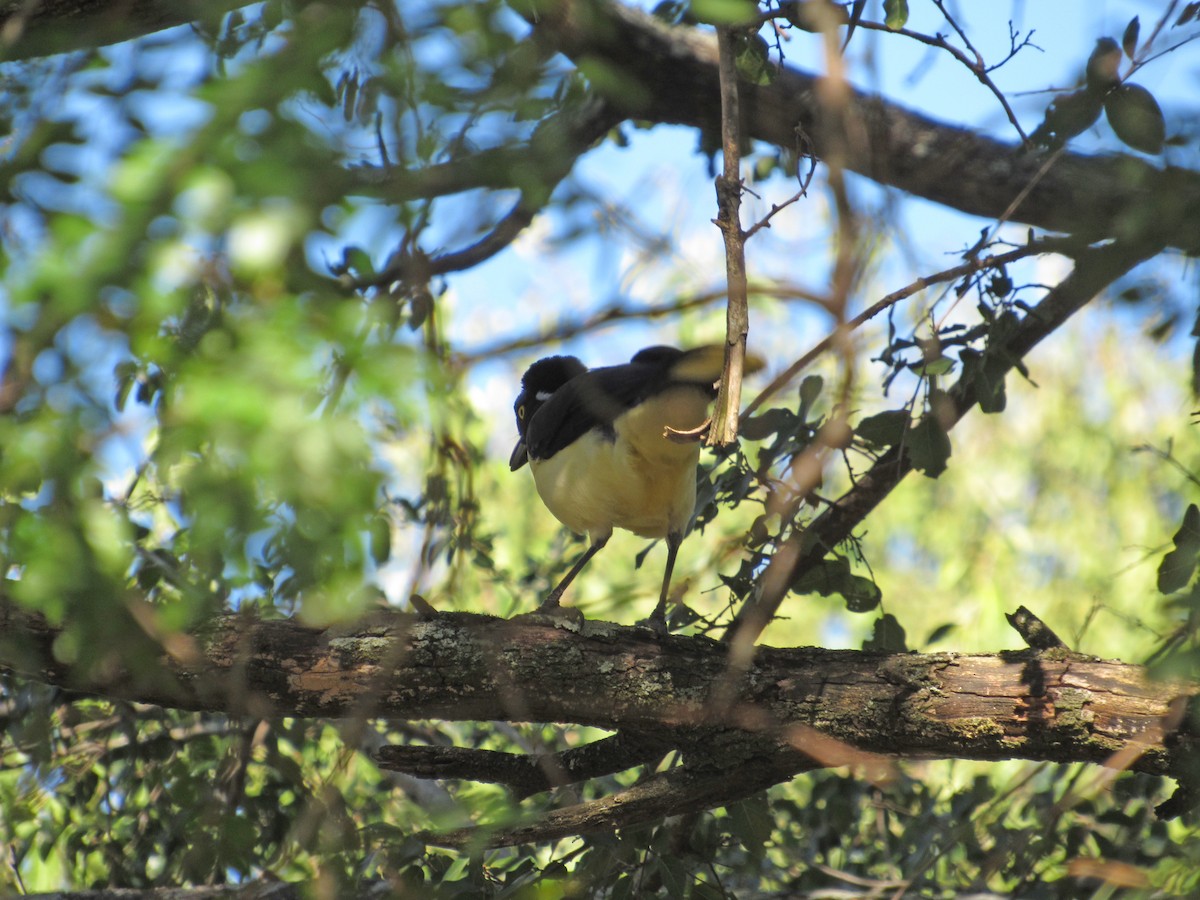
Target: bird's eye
[[521, 412]]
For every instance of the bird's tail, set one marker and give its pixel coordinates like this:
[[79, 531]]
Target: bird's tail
[[703, 365]]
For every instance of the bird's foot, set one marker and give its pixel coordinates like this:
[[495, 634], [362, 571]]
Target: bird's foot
[[656, 622], [552, 613], [421, 607]]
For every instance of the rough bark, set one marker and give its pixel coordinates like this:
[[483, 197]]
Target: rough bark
[[1049, 705], [380, 890]]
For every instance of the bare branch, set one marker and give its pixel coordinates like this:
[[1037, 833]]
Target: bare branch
[[1094, 270], [680, 790], [724, 427], [565, 329], [526, 775], [1109, 195], [973, 265]]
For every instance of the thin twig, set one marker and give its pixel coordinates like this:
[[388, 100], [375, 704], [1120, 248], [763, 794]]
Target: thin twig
[[729, 199], [976, 67], [620, 312], [765, 221], [970, 267]]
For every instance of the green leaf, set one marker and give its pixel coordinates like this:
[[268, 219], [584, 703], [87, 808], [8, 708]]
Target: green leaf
[[862, 594], [940, 632], [885, 429], [703, 890], [752, 823], [767, 423], [1136, 118], [1066, 116], [1175, 571], [825, 578], [1176, 568], [1129, 40], [752, 57], [986, 374], [1188, 535], [833, 576], [357, 261], [928, 446], [674, 874], [724, 12], [381, 540], [810, 390], [888, 636], [939, 366], [895, 13], [623, 888]]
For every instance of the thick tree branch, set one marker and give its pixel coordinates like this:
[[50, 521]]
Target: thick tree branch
[[534, 167], [674, 792], [1051, 706], [384, 890], [525, 774], [677, 72], [673, 77]]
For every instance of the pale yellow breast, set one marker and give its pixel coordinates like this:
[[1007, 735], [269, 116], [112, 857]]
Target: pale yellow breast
[[641, 482]]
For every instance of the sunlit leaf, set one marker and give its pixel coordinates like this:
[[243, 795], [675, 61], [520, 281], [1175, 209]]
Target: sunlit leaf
[[895, 13], [752, 56], [723, 12]]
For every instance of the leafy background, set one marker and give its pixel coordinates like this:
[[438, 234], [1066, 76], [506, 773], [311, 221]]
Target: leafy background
[[200, 414]]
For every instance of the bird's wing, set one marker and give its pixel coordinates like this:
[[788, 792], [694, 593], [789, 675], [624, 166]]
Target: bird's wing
[[595, 398], [591, 400]]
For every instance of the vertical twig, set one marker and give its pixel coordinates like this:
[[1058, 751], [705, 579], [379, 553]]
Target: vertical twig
[[729, 200]]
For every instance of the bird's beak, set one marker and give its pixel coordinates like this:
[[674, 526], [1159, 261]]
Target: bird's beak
[[520, 455]]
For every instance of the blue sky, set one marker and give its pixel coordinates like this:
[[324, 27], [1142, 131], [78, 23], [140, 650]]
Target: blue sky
[[666, 186]]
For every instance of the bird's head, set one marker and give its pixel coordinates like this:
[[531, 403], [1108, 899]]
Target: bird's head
[[538, 385]]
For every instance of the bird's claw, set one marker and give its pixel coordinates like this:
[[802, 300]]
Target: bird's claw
[[553, 614], [656, 622]]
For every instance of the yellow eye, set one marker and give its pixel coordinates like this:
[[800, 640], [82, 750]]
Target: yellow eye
[[521, 412]]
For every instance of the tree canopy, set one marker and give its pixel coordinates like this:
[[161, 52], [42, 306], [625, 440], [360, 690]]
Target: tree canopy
[[271, 276]]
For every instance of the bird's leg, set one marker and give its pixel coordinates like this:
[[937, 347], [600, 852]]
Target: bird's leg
[[551, 601], [658, 618]]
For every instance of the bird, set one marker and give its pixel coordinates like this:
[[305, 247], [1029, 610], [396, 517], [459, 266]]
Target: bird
[[596, 442]]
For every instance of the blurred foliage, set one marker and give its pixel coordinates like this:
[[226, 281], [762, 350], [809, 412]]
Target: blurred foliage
[[212, 400]]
